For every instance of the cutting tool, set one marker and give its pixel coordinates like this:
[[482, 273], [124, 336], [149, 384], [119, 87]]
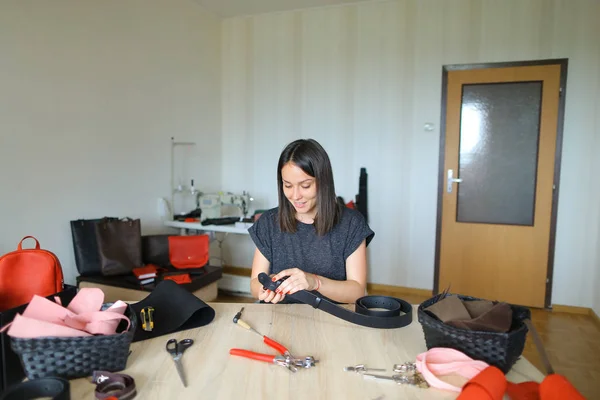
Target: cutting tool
[[176, 350]]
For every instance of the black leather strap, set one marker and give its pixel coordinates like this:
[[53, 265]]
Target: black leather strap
[[55, 388], [388, 317]]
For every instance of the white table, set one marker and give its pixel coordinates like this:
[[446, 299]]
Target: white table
[[184, 226]]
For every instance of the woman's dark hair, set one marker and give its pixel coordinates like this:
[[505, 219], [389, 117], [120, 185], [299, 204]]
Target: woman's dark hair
[[310, 157]]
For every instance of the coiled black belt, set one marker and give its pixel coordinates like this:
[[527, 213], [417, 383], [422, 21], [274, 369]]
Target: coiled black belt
[[54, 388], [388, 316]]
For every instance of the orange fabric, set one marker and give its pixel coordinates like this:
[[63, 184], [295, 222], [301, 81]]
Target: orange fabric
[[524, 391], [555, 387], [179, 279], [491, 384], [28, 272], [188, 251]]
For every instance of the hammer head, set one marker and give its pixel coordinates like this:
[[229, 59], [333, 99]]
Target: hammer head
[[238, 316]]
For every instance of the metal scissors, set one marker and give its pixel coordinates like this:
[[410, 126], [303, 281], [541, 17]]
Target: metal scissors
[[176, 350]]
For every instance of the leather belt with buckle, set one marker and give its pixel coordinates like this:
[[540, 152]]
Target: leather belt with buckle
[[391, 312], [111, 386]]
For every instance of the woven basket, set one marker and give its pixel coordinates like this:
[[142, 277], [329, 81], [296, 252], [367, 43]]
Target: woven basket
[[495, 348], [76, 357]]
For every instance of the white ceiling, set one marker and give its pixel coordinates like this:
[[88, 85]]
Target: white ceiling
[[232, 8]]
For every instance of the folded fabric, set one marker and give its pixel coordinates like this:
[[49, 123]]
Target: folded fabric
[[440, 361], [24, 327], [82, 317], [476, 315], [175, 309], [180, 279]]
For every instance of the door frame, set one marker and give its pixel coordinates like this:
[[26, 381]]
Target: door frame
[[563, 62]]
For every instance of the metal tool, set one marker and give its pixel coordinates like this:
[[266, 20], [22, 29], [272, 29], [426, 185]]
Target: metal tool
[[147, 317], [176, 350], [243, 323], [306, 362], [361, 369], [285, 359], [408, 367], [413, 379]]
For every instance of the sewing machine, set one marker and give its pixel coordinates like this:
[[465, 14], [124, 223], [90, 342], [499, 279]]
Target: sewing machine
[[211, 203]]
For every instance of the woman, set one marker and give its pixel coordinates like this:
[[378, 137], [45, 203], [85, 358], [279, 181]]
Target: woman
[[310, 238]]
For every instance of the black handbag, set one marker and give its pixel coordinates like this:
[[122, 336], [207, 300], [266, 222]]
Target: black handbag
[[119, 246], [85, 245], [155, 250]]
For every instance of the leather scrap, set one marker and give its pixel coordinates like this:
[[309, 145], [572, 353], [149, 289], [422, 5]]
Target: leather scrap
[[497, 319], [475, 315], [448, 309]]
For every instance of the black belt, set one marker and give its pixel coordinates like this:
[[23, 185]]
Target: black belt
[[55, 388], [388, 318]]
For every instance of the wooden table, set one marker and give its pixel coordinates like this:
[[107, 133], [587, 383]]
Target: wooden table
[[213, 374]]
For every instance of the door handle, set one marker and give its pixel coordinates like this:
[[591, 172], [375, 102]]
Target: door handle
[[451, 180]]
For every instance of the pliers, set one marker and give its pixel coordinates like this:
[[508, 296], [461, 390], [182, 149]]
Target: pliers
[[285, 359]]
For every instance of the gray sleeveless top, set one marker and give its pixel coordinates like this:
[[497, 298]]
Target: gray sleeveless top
[[322, 255]]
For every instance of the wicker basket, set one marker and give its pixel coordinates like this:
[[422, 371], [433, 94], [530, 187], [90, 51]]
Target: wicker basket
[[496, 348], [76, 357]]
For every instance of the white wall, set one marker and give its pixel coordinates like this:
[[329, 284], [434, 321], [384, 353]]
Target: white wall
[[363, 79], [91, 92], [596, 207]]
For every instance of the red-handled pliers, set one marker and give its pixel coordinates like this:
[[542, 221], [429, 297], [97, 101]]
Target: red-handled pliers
[[285, 359]]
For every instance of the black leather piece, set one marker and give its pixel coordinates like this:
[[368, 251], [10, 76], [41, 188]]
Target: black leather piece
[[55, 388], [389, 318], [175, 309], [85, 246]]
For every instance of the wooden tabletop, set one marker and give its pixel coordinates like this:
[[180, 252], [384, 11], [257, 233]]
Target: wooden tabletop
[[214, 374]]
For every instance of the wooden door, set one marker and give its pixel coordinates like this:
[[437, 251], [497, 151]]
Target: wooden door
[[499, 158]]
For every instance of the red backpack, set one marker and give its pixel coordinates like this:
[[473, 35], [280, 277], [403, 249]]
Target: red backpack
[[27, 272]]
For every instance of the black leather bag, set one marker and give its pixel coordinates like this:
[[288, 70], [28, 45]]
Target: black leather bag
[[85, 245], [119, 246], [155, 250]]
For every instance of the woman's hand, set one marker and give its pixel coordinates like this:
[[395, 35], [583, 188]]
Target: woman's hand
[[297, 280], [268, 296]]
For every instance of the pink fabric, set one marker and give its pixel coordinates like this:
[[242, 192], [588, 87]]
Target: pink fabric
[[91, 301], [440, 361], [43, 318], [23, 327]]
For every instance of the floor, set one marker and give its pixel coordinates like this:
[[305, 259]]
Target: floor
[[572, 342]]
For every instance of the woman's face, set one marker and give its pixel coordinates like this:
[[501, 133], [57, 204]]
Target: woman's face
[[301, 190]]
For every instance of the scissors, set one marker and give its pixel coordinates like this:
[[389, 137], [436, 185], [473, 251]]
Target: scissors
[[176, 350]]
